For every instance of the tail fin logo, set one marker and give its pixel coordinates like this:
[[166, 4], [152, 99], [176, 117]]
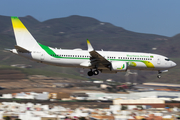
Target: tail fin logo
[[24, 39]]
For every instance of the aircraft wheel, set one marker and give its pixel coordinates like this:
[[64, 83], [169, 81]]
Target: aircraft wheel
[[90, 73], [95, 72], [159, 76]]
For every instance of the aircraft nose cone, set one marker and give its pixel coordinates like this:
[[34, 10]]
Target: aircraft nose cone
[[173, 64]]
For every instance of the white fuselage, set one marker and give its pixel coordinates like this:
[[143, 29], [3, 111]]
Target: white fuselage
[[76, 58], [104, 61]]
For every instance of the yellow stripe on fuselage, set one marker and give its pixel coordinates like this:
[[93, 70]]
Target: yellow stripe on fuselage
[[148, 64]]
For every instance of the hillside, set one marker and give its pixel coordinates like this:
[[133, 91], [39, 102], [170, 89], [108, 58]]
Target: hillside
[[71, 32], [171, 46]]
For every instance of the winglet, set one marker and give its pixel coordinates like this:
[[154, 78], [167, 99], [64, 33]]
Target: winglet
[[90, 48]]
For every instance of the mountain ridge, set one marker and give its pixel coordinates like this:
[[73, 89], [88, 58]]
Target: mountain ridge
[[71, 32], [78, 27]]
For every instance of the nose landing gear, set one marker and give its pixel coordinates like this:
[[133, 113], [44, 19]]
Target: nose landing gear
[[159, 74]]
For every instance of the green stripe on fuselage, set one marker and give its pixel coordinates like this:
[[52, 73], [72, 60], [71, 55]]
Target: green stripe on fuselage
[[53, 54], [49, 51]]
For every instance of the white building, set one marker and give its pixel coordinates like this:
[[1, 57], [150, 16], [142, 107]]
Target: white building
[[135, 95]]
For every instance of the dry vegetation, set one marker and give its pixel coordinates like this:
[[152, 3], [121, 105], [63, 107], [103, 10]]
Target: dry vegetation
[[16, 81]]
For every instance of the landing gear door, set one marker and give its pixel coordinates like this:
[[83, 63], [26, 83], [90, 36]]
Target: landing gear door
[[158, 61], [41, 56]]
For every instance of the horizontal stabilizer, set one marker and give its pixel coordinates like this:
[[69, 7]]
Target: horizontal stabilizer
[[20, 49], [7, 49]]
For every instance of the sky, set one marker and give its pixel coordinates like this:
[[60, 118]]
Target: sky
[[161, 17]]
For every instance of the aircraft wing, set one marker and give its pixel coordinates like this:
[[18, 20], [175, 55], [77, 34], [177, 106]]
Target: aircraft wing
[[96, 59]]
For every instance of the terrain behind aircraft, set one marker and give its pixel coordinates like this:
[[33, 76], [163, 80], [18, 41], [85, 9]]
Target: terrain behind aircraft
[[103, 61]]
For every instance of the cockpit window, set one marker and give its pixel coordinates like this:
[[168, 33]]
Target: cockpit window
[[167, 59]]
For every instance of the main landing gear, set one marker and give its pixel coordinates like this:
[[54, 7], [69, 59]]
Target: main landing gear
[[159, 74], [91, 73]]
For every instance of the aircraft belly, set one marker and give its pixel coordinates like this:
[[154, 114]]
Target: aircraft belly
[[71, 61], [140, 68], [26, 55], [66, 62]]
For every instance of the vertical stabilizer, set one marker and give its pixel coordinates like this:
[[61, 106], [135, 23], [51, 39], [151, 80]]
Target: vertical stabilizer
[[23, 37]]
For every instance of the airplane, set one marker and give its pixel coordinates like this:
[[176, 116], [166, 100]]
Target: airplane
[[96, 61]]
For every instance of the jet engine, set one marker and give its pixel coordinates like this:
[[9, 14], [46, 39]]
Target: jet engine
[[118, 66]]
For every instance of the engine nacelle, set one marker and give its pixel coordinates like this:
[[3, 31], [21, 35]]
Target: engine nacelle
[[118, 66]]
